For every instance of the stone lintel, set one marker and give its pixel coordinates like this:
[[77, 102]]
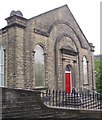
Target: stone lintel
[[68, 52], [41, 32]]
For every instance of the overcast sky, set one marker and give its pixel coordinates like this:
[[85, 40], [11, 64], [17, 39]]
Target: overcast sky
[[86, 13]]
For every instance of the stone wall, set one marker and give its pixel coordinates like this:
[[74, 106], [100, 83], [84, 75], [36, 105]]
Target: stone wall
[[26, 104], [52, 31], [22, 104]]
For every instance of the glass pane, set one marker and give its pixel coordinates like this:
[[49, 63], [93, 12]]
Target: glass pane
[[67, 68], [39, 66], [39, 55], [85, 70], [1, 48], [2, 80], [2, 69], [1, 66], [1, 57], [39, 74]]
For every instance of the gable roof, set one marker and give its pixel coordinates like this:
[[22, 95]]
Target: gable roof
[[60, 15]]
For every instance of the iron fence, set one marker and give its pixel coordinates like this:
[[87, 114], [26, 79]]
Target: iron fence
[[73, 100]]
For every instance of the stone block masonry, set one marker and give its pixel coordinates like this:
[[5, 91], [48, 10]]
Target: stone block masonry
[[63, 43], [17, 103], [22, 104]]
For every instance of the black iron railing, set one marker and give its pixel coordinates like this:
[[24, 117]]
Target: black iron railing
[[73, 100]]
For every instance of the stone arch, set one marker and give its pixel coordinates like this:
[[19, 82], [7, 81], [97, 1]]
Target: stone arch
[[56, 51], [66, 23], [59, 38], [41, 45]]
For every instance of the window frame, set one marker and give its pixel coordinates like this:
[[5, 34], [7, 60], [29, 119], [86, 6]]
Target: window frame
[[43, 63], [85, 70], [2, 62]]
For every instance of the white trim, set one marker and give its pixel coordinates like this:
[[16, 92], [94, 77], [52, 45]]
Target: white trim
[[67, 71], [71, 82]]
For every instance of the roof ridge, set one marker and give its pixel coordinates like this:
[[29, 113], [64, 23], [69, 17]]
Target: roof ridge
[[49, 11]]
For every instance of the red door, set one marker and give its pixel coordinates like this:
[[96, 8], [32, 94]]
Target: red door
[[68, 82]]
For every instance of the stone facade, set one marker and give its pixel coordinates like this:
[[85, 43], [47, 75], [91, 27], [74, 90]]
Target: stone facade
[[62, 41]]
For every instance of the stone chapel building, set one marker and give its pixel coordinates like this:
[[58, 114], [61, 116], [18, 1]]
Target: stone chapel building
[[48, 50]]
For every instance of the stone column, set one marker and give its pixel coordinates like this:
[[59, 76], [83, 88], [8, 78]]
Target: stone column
[[16, 28], [46, 70], [92, 64], [74, 62]]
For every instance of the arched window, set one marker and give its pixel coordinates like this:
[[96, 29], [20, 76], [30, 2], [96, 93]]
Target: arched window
[[39, 66], [1, 66], [67, 69], [85, 72]]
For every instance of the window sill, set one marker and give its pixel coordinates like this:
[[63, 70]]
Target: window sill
[[86, 84], [40, 88]]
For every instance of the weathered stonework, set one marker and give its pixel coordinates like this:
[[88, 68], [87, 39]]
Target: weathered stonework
[[63, 43]]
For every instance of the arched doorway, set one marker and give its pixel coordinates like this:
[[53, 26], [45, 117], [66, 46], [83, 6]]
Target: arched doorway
[[68, 79]]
